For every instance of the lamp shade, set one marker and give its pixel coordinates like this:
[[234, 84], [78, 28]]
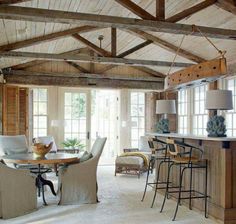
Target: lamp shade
[[219, 100], [165, 107]]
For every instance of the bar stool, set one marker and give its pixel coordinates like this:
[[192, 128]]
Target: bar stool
[[185, 160], [160, 155]]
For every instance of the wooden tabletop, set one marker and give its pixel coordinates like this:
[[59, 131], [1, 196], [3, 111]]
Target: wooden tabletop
[[50, 158]]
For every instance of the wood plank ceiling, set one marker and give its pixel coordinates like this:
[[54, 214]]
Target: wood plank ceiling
[[148, 43]]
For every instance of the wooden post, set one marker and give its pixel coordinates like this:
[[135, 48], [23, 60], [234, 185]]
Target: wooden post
[[160, 9], [113, 42]]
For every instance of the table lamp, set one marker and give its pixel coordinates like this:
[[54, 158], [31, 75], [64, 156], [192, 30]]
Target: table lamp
[[164, 107], [218, 100]]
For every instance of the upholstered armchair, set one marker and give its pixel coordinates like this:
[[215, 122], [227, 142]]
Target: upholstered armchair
[[18, 194], [78, 182], [13, 144]]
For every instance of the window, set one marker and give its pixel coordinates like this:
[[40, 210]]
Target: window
[[137, 103], [183, 111], [40, 100], [75, 116], [200, 115], [230, 115]]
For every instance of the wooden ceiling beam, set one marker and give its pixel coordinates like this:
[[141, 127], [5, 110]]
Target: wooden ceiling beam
[[190, 11], [45, 38], [160, 10], [137, 10], [94, 59], [84, 75], [39, 62], [92, 46], [167, 46], [126, 53], [8, 2], [56, 16], [113, 42], [82, 82], [228, 5], [77, 66], [135, 48]]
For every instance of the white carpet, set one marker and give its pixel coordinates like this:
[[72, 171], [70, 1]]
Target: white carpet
[[119, 204]]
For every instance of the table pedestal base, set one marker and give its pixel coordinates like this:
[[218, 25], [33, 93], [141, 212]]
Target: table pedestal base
[[42, 182]]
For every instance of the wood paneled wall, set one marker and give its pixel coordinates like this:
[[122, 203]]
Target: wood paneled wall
[[150, 112], [15, 110]]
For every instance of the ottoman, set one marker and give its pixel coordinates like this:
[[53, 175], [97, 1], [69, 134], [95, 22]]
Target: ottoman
[[129, 165]]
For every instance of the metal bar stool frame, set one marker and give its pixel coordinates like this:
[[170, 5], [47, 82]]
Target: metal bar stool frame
[[185, 163]]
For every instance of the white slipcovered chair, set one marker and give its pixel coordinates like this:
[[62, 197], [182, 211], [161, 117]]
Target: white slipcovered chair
[[18, 194], [47, 140], [13, 144], [78, 182]]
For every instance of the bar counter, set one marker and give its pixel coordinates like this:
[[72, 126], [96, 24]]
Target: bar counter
[[221, 156]]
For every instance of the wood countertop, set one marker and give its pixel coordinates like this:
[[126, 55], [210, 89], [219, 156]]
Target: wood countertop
[[197, 137]]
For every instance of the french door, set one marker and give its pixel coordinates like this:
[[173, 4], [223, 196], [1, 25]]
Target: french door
[[104, 122], [88, 114], [76, 115]]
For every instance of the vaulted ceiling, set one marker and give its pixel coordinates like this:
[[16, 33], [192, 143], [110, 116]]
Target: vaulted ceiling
[[142, 34]]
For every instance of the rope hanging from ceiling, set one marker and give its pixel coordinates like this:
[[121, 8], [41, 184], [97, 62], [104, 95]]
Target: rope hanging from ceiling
[[206, 71]]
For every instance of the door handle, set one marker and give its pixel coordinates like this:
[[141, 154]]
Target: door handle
[[88, 135]]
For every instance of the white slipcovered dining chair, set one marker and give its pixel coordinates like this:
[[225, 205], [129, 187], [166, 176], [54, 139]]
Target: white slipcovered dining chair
[[47, 140], [13, 144], [78, 182], [18, 194]]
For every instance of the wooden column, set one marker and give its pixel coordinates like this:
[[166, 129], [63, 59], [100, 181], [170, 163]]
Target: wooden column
[[160, 9], [113, 42], [150, 111]]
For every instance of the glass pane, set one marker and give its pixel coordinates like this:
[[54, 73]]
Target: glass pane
[[141, 110], [42, 122], [35, 94], [67, 112], [35, 122], [75, 125], [134, 122], [141, 98], [35, 108], [42, 110], [42, 95], [134, 98], [67, 99], [134, 134], [134, 110]]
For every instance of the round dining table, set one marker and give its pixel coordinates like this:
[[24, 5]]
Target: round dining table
[[50, 159]]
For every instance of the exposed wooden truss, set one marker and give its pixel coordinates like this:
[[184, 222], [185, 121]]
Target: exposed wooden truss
[[92, 46], [95, 59], [137, 10], [105, 53], [130, 51], [160, 9], [45, 15], [228, 5], [6, 2], [188, 12], [86, 75], [39, 62], [45, 38], [84, 80], [167, 46]]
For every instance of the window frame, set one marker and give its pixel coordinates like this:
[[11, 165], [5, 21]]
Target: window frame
[[38, 115], [137, 117], [190, 112]]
